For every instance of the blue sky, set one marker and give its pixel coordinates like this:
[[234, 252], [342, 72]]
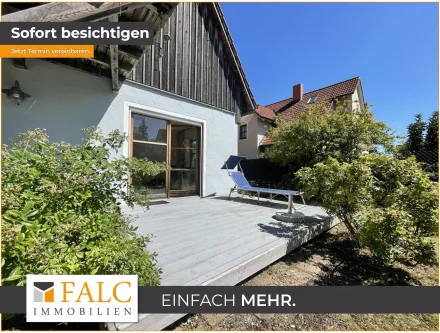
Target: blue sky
[[393, 47]]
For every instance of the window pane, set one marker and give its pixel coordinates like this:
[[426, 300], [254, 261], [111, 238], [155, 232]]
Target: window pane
[[184, 137], [243, 131], [183, 180], [184, 158], [156, 153], [155, 185], [312, 99], [149, 129]]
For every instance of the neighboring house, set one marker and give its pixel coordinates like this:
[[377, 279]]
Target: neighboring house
[[252, 129], [258, 123], [180, 100]]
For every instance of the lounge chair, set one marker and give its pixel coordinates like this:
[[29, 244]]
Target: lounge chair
[[241, 184]]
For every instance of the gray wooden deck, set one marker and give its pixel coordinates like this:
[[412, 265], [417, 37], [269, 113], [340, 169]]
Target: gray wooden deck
[[214, 241]]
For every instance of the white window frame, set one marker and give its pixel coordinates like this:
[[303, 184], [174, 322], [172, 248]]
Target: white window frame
[[314, 99]]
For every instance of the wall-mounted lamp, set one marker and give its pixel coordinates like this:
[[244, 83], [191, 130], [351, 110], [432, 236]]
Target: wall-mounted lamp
[[19, 63], [15, 94]]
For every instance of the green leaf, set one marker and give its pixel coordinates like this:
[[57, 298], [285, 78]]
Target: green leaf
[[12, 278], [20, 237]]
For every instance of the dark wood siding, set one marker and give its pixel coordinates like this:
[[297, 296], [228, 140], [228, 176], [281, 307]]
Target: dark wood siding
[[189, 58]]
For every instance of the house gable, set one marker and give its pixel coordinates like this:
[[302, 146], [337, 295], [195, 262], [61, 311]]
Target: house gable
[[193, 56], [289, 109]]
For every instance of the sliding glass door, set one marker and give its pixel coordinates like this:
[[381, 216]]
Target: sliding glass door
[[184, 161], [175, 144]]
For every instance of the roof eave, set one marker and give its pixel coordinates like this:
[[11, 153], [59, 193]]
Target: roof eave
[[362, 92], [234, 53], [264, 118]]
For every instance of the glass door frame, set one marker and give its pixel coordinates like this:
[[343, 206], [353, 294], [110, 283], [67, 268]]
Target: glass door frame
[[168, 151], [179, 193]]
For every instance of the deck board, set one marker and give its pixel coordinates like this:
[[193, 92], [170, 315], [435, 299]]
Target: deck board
[[215, 241]]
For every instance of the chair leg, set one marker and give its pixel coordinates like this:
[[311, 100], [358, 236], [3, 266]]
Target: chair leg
[[289, 210], [302, 198], [230, 192], [258, 197]]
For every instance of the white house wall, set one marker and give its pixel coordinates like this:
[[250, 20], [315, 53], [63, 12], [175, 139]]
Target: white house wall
[[262, 128], [257, 129], [64, 101], [356, 99]]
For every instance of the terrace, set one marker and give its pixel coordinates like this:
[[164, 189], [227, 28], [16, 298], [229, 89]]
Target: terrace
[[214, 241]]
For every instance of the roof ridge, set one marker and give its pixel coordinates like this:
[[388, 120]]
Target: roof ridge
[[334, 84], [264, 106], [278, 102]]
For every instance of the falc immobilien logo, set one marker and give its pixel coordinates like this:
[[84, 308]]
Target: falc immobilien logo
[[82, 298]]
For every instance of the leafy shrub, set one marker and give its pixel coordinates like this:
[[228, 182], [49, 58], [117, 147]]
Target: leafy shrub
[[388, 205], [319, 133], [60, 208]]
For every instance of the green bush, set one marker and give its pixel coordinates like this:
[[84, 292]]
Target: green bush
[[388, 205], [60, 209], [319, 133]]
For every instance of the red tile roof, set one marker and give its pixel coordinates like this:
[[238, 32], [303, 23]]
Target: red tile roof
[[265, 112], [266, 141], [289, 109]]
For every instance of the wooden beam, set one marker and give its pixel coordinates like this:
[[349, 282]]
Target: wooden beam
[[114, 57], [114, 60], [84, 67], [163, 18], [70, 12], [8, 9], [132, 51]]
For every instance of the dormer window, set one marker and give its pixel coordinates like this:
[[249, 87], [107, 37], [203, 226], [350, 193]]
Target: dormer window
[[312, 99]]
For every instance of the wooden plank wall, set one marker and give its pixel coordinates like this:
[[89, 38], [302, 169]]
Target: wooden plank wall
[[188, 58]]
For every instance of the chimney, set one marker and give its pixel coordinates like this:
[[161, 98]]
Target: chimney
[[297, 91]]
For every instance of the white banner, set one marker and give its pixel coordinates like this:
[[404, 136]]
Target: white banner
[[82, 298]]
